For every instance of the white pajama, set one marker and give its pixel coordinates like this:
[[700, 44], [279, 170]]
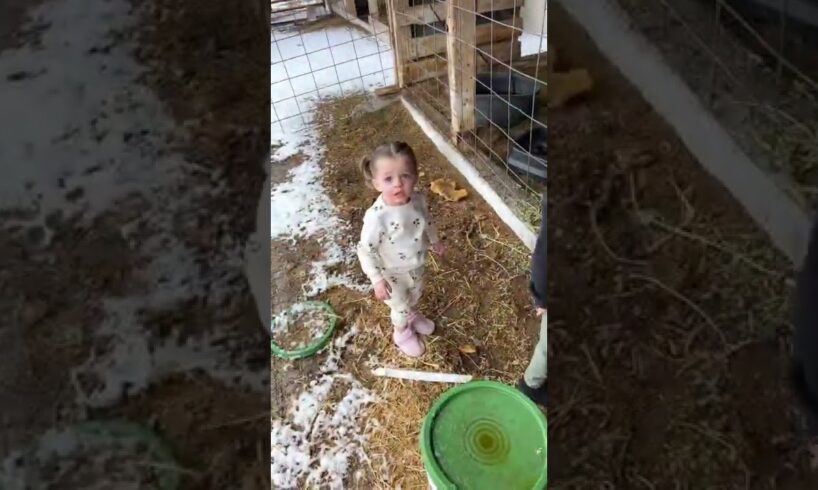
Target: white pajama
[[393, 246], [406, 290]]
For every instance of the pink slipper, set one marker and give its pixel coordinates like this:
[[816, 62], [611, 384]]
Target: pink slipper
[[421, 324], [408, 342]]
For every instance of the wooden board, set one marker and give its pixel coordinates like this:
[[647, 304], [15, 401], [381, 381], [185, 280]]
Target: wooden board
[[287, 5], [400, 38], [462, 66], [421, 47], [436, 12], [373, 8]]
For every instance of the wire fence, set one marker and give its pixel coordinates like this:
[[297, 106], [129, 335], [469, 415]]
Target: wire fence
[[492, 98], [315, 55], [756, 68]]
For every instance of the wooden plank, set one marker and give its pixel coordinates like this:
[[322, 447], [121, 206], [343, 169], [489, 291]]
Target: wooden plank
[[287, 5], [460, 53], [436, 12], [432, 66], [373, 26], [373, 8], [387, 91], [421, 47], [401, 36]]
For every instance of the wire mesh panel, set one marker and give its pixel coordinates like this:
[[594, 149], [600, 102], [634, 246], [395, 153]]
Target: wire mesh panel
[[478, 73], [318, 55], [754, 64]]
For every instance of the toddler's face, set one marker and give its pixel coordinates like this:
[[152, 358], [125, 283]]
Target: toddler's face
[[395, 179]]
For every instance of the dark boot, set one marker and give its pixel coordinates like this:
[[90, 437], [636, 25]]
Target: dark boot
[[537, 395]]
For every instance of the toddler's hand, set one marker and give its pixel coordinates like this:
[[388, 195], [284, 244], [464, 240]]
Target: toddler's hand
[[382, 291], [439, 248], [540, 311]]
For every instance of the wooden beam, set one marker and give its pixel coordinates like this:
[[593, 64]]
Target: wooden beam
[[433, 66], [436, 12], [387, 91], [373, 8], [460, 42], [401, 35], [287, 5], [421, 47]]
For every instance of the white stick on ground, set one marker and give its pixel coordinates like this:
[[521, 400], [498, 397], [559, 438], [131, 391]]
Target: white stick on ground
[[422, 375]]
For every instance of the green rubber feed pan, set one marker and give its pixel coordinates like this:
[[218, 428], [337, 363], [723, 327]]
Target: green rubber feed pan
[[485, 435], [317, 340]]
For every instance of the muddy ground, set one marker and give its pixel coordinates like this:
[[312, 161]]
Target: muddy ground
[[477, 293], [668, 307]]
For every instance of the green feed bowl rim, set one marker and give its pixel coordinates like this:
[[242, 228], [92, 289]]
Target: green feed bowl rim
[[433, 468], [313, 348], [121, 429]]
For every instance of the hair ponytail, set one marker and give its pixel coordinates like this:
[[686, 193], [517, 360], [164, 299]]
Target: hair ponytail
[[365, 166]]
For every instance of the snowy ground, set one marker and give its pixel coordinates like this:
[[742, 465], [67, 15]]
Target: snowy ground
[[87, 148], [336, 61]]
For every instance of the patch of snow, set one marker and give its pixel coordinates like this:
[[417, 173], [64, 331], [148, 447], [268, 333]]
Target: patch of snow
[[102, 133], [301, 209], [317, 444], [103, 147]]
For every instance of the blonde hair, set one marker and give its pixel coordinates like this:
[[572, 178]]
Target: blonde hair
[[396, 149]]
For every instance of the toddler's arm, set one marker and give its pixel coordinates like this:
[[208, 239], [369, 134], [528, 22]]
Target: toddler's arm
[[371, 234], [431, 229]]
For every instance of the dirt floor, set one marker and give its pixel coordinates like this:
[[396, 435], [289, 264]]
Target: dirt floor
[[477, 294], [661, 286]]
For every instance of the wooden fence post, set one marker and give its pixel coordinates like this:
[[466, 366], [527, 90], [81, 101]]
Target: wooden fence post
[[460, 53], [373, 8], [401, 37]]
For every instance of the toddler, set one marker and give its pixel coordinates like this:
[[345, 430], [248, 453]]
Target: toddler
[[396, 234]]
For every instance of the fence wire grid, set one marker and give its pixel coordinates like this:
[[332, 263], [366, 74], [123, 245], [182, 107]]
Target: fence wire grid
[[755, 68], [507, 139], [317, 54]]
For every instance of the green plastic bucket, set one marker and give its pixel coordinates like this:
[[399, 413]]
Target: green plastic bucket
[[485, 435]]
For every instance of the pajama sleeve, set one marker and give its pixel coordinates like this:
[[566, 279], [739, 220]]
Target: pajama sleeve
[[368, 248], [431, 229]]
